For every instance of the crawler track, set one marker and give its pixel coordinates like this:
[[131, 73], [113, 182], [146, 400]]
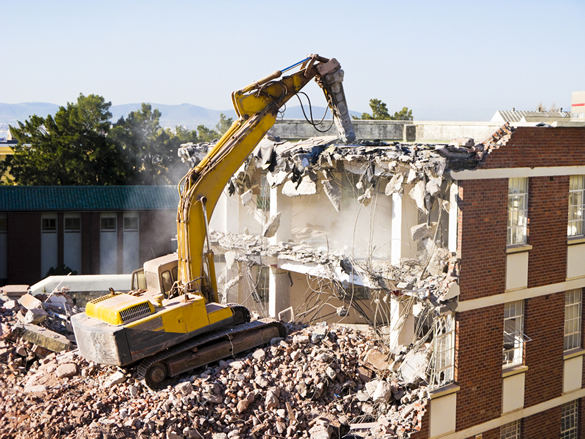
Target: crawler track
[[206, 349]]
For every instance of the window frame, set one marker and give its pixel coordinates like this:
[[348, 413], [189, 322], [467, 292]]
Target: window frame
[[127, 221], [516, 337], [511, 430], [576, 213], [67, 228], [49, 224], [106, 219], [573, 319], [517, 228], [570, 420], [263, 198], [443, 350]]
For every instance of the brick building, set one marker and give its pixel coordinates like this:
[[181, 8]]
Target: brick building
[[521, 246], [90, 229], [507, 342]]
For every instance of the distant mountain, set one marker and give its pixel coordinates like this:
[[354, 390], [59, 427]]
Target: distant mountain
[[10, 113], [187, 115]]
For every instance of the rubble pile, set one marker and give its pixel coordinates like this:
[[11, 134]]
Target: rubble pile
[[318, 383]]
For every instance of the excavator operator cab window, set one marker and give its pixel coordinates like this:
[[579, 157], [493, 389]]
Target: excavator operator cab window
[[175, 273], [166, 282], [138, 280]]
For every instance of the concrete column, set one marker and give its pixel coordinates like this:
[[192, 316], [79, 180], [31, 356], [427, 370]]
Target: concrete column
[[453, 217], [410, 218], [279, 295], [226, 215], [396, 230], [402, 332]]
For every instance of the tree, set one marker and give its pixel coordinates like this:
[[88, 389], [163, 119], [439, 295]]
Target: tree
[[72, 148], [380, 112], [224, 124], [185, 135], [206, 134], [149, 150]]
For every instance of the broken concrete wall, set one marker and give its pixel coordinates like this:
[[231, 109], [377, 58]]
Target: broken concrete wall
[[358, 230]]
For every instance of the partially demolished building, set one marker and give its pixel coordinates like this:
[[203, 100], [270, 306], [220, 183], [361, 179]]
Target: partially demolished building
[[466, 257]]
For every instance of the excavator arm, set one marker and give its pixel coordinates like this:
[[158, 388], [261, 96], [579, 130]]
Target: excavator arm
[[257, 106], [174, 334]]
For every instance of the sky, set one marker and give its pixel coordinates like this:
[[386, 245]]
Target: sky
[[445, 60]]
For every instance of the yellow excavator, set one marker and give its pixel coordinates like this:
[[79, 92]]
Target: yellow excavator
[[166, 334]]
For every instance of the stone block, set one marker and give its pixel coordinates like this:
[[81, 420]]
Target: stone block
[[43, 337], [30, 302]]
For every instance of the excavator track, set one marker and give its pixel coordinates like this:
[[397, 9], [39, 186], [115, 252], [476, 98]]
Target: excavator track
[[207, 348]]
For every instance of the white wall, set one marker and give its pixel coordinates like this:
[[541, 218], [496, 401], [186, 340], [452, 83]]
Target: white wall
[[131, 226], [49, 250], [108, 246], [72, 241]]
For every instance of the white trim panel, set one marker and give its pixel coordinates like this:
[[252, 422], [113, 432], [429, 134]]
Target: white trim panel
[[522, 294], [484, 174], [514, 416]]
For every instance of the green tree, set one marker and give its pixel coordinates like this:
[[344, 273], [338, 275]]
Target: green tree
[[206, 134], [224, 124], [149, 150], [404, 114], [185, 135], [71, 148], [380, 112]]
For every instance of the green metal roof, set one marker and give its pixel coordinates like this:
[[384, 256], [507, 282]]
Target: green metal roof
[[87, 198]]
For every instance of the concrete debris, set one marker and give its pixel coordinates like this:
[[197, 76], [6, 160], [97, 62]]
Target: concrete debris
[[35, 316], [30, 302], [271, 226], [313, 383], [42, 337]]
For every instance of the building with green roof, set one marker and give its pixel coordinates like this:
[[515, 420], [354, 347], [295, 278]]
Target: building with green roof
[[89, 229]]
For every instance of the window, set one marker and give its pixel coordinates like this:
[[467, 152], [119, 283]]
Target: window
[[263, 200], [576, 199], [3, 223], [443, 350], [108, 223], [262, 285], [357, 292], [572, 319], [510, 431], [49, 225], [130, 223], [569, 421], [517, 210], [72, 224], [513, 335]]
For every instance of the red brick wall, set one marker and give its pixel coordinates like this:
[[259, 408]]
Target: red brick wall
[[482, 237], [543, 425], [581, 417], [544, 323], [24, 248], [479, 365], [425, 424], [539, 147], [548, 200]]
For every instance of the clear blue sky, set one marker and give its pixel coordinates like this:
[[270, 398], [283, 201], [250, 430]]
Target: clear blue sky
[[446, 60]]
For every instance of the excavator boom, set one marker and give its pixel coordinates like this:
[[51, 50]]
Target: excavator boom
[[257, 106], [172, 333]]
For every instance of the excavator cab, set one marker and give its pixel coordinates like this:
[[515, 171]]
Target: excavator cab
[[158, 275]]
